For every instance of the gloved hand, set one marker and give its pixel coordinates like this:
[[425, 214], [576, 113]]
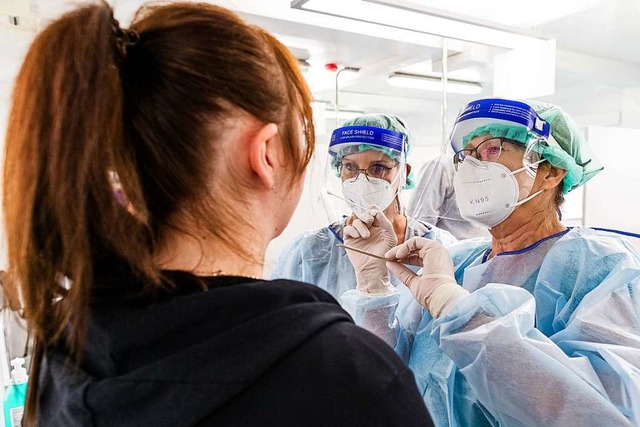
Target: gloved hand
[[437, 286], [373, 233]]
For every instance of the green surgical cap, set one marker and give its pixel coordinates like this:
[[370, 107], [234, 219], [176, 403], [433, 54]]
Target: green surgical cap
[[382, 121], [574, 154]]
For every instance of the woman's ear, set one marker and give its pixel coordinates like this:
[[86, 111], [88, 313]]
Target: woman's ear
[[408, 170], [263, 152], [550, 176]]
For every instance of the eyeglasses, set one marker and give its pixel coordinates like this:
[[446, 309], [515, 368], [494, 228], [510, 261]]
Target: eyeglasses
[[488, 150], [351, 170]]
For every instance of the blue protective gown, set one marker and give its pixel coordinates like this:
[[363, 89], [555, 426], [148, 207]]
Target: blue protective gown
[[549, 336], [314, 258]]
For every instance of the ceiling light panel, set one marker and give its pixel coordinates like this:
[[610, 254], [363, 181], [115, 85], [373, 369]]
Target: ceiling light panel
[[420, 82], [398, 18], [503, 12]]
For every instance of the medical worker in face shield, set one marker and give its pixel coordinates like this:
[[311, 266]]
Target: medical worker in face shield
[[539, 325], [368, 154]]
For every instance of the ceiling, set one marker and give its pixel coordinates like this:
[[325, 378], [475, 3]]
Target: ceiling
[[597, 59], [500, 12], [608, 30]]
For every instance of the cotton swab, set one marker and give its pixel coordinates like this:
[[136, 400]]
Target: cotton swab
[[331, 193], [371, 254]]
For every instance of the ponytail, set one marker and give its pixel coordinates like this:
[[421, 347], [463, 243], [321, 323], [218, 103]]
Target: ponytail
[[64, 137], [112, 136]]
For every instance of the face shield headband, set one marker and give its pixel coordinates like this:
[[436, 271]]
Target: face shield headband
[[387, 141], [512, 119]]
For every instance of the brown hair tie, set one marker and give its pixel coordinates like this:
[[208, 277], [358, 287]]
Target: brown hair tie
[[124, 38]]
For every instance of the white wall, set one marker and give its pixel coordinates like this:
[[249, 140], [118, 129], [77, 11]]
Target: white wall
[[612, 198]]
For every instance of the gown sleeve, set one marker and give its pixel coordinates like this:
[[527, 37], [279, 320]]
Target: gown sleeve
[[568, 354]]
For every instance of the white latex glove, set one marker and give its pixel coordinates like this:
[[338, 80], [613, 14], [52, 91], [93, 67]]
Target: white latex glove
[[373, 233], [437, 286]]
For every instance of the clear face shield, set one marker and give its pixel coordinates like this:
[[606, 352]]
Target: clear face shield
[[366, 167], [492, 125]]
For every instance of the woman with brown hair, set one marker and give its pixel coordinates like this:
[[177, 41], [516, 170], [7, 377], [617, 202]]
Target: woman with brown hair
[[146, 171]]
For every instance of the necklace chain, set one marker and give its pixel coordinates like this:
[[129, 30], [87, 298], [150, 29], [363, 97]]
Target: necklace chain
[[217, 273]]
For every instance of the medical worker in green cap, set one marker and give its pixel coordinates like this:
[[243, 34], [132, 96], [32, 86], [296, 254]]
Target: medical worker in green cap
[[369, 156], [538, 325]]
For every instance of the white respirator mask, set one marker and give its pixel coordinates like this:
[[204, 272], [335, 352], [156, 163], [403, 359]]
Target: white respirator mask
[[488, 192], [364, 192]]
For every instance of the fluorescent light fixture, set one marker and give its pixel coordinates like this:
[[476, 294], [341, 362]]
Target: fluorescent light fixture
[[422, 82], [394, 18], [503, 12], [342, 114]]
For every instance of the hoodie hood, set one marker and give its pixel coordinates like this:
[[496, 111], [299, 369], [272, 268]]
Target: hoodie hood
[[177, 357]]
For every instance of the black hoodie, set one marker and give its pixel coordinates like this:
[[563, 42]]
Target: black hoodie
[[227, 351]]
